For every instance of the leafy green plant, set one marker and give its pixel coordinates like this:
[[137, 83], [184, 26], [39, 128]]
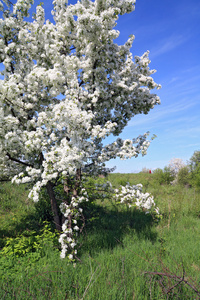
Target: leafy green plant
[[29, 241]]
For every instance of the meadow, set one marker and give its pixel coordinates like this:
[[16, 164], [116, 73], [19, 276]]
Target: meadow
[[124, 253]]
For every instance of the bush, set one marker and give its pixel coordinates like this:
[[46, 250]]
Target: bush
[[163, 176], [29, 241], [183, 176]]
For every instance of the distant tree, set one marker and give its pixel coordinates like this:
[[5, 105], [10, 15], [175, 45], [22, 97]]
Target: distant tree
[[145, 170], [194, 160], [194, 165], [175, 165]]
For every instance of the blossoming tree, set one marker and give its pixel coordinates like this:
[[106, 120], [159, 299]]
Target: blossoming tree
[[66, 86], [175, 165]]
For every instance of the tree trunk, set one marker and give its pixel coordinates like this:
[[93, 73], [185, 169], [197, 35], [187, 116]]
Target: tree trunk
[[54, 206], [77, 182]]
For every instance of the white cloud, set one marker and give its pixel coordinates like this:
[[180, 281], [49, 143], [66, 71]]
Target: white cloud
[[168, 44], [162, 112]]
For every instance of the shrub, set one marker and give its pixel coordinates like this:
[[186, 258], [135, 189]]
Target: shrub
[[163, 176], [29, 241], [183, 176]]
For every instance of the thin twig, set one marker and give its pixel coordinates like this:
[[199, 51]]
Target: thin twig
[[123, 278], [175, 277], [89, 283]]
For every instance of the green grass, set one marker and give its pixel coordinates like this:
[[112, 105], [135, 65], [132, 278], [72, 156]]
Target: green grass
[[15, 210], [119, 248]]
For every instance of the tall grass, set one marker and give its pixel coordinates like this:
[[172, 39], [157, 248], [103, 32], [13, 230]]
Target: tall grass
[[122, 253]]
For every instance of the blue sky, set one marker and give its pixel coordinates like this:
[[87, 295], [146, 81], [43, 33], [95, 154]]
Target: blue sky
[[170, 30]]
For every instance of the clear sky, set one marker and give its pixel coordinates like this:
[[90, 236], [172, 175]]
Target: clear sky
[[170, 30]]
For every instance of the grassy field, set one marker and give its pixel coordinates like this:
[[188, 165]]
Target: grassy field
[[124, 253]]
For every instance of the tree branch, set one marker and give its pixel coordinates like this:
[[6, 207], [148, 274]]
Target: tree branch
[[18, 161], [10, 2], [14, 104], [81, 83], [4, 180]]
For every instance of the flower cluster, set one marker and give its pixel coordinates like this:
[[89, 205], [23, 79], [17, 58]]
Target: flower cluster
[[72, 212], [132, 196]]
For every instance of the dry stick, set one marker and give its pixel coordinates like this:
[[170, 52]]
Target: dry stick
[[185, 280], [179, 278], [193, 281], [123, 278], [173, 276], [150, 287], [89, 283], [165, 268], [176, 284], [169, 289], [169, 206], [6, 292], [27, 293]]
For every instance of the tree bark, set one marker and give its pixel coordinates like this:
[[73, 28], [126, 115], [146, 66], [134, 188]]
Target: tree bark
[[54, 206], [77, 182]]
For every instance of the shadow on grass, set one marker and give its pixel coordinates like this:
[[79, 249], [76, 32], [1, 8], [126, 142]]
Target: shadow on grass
[[107, 227], [15, 228], [16, 224], [104, 227]]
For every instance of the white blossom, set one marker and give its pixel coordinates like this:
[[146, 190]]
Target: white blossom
[[175, 165], [133, 196]]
